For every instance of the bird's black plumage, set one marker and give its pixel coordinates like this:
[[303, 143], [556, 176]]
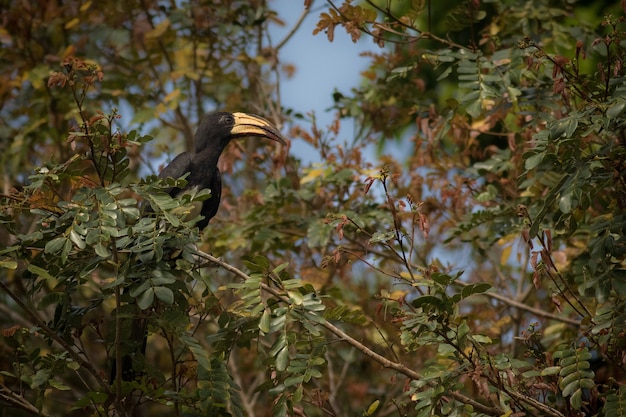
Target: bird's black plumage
[[215, 131]]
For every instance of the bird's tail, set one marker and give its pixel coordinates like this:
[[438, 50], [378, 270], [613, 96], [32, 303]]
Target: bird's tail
[[133, 352]]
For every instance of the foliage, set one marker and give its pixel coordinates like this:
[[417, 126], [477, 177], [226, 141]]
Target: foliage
[[475, 268]]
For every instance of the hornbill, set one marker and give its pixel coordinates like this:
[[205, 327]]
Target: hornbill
[[215, 131]]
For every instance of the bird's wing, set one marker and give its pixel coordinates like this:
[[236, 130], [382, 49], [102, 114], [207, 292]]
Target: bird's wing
[[211, 205], [178, 167]]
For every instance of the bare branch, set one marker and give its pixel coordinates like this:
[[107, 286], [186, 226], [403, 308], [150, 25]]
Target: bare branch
[[521, 306], [17, 401], [294, 29]]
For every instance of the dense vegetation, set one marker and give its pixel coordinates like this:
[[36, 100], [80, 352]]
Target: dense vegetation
[[477, 267]]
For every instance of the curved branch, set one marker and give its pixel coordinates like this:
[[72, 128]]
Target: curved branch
[[398, 367], [521, 306], [295, 28], [19, 402]]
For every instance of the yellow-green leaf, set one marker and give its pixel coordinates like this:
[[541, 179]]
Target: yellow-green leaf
[[372, 408], [8, 264], [158, 30]]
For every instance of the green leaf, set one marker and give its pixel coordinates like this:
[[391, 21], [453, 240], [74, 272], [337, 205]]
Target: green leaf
[[550, 370], [318, 234], [425, 300], [282, 359], [258, 264], [146, 299], [171, 219], [616, 109], [445, 73], [101, 250], [296, 297], [77, 239], [277, 323], [41, 378], [198, 351], [570, 388], [565, 203], [39, 271], [563, 128], [577, 399], [297, 394], [533, 161], [280, 267], [382, 236], [55, 245], [474, 289], [294, 380], [264, 322], [164, 294], [8, 264], [92, 398], [58, 385], [164, 201]]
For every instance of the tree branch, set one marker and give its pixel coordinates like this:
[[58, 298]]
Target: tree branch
[[52, 335], [396, 366], [17, 401], [400, 368], [521, 306], [295, 28]]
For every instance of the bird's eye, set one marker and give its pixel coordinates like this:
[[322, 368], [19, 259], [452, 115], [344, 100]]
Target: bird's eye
[[228, 120]]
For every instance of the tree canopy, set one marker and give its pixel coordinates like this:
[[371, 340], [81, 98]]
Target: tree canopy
[[475, 267]]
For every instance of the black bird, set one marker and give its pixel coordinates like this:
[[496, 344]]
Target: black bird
[[215, 131]]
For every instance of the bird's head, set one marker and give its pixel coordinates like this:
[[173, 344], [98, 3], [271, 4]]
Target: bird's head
[[222, 127]]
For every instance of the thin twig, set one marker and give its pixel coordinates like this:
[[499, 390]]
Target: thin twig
[[54, 336], [17, 401], [521, 306], [248, 404], [294, 29]]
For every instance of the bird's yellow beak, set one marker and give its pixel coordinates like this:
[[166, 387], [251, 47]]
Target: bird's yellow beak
[[253, 125]]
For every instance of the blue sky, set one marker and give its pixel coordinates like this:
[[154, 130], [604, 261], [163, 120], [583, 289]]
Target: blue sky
[[321, 66]]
